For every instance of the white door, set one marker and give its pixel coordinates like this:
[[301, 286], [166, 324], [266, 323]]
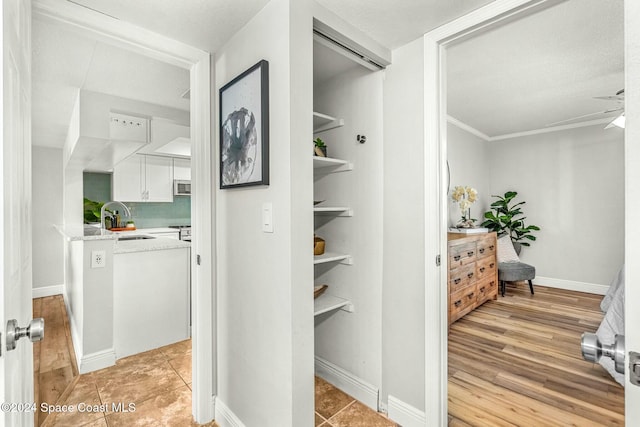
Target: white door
[[16, 367], [632, 200]]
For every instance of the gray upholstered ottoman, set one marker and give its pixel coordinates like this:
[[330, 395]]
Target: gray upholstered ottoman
[[514, 272]]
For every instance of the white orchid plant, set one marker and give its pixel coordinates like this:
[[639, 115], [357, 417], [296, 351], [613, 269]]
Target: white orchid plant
[[465, 197]]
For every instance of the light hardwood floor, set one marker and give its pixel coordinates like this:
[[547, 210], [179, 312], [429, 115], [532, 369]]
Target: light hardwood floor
[[517, 361]]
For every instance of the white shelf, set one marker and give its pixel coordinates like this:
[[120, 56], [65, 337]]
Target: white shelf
[[332, 257], [326, 303], [327, 162], [323, 122], [334, 210]]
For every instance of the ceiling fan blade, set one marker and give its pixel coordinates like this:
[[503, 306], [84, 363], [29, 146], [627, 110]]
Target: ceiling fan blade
[[619, 98], [584, 116]]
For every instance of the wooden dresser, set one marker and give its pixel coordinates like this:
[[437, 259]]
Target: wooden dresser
[[473, 272]]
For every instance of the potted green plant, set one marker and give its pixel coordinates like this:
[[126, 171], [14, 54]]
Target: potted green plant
[[319, 147], [504, 218], [92, 211]]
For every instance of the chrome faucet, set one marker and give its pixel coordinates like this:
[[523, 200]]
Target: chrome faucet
[[127, 212]]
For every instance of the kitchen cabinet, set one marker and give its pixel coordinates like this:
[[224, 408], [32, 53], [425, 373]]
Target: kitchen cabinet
[[143, 178], [182, 169]]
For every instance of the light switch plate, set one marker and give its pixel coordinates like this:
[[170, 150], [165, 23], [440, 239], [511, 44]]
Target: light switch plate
[[267, 217]]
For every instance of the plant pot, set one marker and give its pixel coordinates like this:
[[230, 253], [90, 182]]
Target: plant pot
[[320, 151], [318, 245], [518, 247]]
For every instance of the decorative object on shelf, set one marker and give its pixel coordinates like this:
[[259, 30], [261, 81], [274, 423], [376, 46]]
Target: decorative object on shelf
[[317, 202], [244, 129], [505, 219], [319, 148], [130, 224], [319, 290], [465, 197], [318, 245]]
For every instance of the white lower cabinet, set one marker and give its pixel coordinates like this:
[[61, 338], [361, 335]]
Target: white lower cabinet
[[151, 297], [142, 178]]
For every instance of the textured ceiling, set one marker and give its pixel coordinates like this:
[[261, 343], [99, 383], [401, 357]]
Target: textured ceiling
[[538, 70], [205, 24], [394, 23]]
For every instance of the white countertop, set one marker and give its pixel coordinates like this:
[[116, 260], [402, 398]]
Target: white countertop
[[156, 244], [84, 232]]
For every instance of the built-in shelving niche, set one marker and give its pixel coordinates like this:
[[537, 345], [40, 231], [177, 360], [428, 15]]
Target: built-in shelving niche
[[326, 302]]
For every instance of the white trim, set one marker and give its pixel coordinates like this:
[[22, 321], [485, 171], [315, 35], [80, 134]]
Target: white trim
[[465, 127], [404, 414], [47, 291], [347, 382], [550, 129], [225, 416], [571, 285], [435, 203], [127, 36], [95, 361]]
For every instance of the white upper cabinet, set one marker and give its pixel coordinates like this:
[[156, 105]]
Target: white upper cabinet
[[142, 178], [182, 169]]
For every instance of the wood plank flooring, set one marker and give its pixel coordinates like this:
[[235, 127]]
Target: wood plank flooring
[[516, 361]]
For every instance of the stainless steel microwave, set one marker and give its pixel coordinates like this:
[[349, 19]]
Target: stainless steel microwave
[[181, 187]]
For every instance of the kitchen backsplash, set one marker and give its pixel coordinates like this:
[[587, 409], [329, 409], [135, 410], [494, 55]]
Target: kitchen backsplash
[[97, 186]]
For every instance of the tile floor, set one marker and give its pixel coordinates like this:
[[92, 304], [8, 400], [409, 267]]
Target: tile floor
[[158, 384]]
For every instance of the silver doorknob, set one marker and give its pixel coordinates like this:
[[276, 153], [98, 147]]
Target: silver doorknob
[[35, 332], [593, 350]]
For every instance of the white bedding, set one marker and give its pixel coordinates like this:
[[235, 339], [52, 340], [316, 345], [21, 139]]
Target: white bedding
[[613, 323]]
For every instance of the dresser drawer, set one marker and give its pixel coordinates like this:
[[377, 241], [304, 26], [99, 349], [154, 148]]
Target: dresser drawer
[[486, 246], [460, 300], [461, 254], [486, 267], [487, 289], [462, 277]]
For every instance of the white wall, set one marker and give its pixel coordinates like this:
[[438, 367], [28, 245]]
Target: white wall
[[573, 185], [352, 341], [403, 292], [264, 301], [48, 244], [468, 162]]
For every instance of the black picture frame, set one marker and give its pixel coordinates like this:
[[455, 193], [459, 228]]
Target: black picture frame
[[244, 129]]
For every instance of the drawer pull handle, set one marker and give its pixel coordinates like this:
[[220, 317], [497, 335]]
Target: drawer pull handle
[[481, 250], [482, 269], [470, 253], [482, 289], [457, 303], [470, 275], [471, 295], [491, 265], [457, 280], [456, 258]]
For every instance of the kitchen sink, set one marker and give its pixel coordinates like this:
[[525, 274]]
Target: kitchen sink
[[138, 237]]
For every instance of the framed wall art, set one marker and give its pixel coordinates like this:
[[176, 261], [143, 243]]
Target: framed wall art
[[244, 129]]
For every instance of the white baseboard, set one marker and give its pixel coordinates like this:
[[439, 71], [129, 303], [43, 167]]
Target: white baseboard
[[347, 382], [47, 291], [404, 414], [571, 285], [99, 360], [224, 416]]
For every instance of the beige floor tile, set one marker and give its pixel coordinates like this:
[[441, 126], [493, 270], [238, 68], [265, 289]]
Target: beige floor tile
[[100, 422], [83, 398], [168, 409], [328, 399], [319, 420], [180, 348], [182, 365], [359, 415]]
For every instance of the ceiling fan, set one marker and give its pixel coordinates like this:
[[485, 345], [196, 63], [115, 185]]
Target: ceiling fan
[[617, 121]]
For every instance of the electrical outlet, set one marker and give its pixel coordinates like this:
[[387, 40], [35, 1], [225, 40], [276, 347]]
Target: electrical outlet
[[98, 259]]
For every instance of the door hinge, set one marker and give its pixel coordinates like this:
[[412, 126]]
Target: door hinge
[[634, 368], [438, 260], [198, 259]]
